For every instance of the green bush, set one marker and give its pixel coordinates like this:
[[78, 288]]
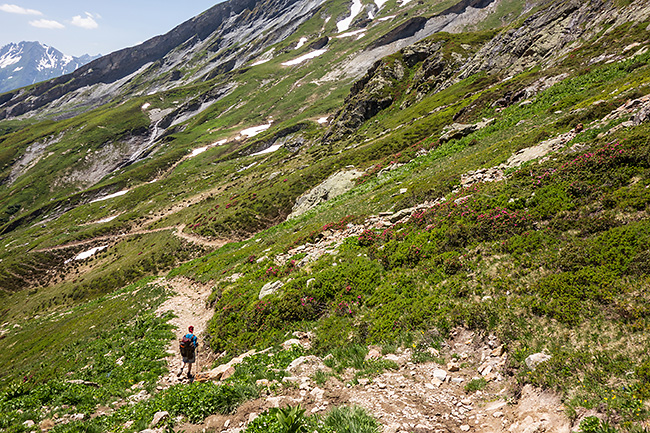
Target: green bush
[[569, 297], [475, 385], [643, 377], [351, 420]]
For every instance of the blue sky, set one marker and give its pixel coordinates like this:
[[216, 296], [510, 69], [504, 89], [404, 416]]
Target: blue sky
[[79, 27]]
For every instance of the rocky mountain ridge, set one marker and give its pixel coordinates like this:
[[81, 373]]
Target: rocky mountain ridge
[[210, 35], [26, 63]]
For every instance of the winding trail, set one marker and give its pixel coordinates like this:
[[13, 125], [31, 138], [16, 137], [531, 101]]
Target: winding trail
[[176, 231]]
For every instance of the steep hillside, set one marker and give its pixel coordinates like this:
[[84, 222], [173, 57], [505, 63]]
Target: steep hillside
[[462, 186]]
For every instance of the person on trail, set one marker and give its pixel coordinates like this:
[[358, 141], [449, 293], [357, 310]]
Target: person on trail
[[188, 345]]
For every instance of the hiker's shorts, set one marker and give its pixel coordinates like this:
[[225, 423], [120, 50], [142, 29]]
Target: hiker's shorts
[[190, 359]]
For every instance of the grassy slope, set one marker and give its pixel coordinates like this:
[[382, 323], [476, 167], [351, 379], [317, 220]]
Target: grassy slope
[[42, 210], [557, 260], [560, 263]]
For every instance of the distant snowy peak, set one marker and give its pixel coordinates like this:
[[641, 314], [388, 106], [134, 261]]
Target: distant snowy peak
[[27, 63]]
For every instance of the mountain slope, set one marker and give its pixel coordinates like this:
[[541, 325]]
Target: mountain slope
[[497, 182]]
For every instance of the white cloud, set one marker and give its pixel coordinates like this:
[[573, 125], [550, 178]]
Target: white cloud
[[15, 9], [47, 24], [87, 23]]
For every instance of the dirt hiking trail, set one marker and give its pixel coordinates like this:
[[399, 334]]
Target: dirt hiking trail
[[189, 306]]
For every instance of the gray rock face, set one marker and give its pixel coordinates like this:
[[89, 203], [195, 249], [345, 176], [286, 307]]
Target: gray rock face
[[460, 130], [333, 186], [456, 131], [548, 34], [368, 96]]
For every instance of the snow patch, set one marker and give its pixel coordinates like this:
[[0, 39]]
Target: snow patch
[[117, 194], [253, 131], [403, 2], [345, 23], [9, 59], [323, 120], [389, 17], [49, 61], [20, 68], [268, 150], [301, 42], [380, 3], [304, 58], [358, 33], [264, 57], [260, 62], [247, 167], [145, 106], [86, 254], [198, 151], [106, 220]]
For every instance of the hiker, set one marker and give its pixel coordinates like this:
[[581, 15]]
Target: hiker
[[188, 345]]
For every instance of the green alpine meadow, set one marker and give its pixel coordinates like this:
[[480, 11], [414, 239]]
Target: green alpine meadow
[[394, 216]]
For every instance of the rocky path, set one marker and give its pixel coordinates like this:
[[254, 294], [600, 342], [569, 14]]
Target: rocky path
[[416, 397], [190, 308]]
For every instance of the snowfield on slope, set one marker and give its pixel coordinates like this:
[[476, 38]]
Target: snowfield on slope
[[345, 23], [304, 58]]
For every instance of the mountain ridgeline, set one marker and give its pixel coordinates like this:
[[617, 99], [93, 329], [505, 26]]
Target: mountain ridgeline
[[27, 63], [464, 183]]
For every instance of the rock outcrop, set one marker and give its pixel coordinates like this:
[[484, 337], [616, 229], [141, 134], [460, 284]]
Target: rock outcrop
[[333, 186], [368, 96], [456, 131], [548, 34]]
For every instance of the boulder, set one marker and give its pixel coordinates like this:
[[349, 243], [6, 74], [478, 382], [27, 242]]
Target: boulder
[[333, 186], [440, 374], [535, 359], [396, 359], [456, 131], [401, 214], [642, 116], [306, 365], [373, 354], [270, 288], [221, 372], [290, 343], [158, 417], [319, 43], [214, 422]]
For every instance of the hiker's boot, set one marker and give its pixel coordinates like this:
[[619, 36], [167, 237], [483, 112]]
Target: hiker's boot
[[189, 376], [179, 373]]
